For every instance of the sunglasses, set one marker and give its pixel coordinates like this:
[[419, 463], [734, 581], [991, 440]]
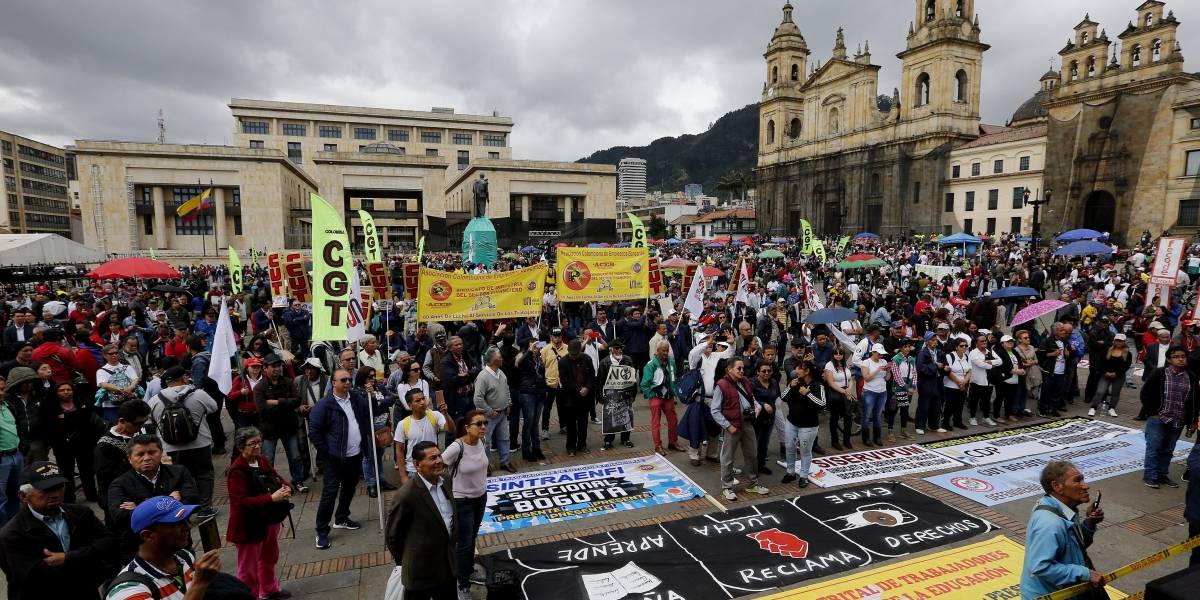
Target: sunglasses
[[344, 380], [415, 369], [479, 424]]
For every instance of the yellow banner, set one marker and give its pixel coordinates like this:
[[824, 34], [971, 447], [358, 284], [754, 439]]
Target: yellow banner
[[446, 296], [235, 271], [332, 263], [370, 237], [806, 237], [639, 232], [987, 569], [602, 274]]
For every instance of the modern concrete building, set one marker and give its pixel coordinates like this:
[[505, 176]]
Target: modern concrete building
[[300, 130], [667, 212], [34, 187], [631, 180], [983, 189], [129, 192]]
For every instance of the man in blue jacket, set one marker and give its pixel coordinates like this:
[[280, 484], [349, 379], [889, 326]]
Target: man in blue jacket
[[1057, 537], [339, 428]]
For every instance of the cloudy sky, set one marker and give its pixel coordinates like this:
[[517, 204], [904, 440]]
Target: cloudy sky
[[575, 76]]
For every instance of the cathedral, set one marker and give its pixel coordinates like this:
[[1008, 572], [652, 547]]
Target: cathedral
[[836, 152]]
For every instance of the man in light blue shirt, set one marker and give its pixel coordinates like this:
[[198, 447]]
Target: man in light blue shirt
[[1057, 537]]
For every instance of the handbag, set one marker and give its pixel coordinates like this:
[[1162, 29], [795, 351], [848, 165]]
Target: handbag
[[384, 436], [268, 482]]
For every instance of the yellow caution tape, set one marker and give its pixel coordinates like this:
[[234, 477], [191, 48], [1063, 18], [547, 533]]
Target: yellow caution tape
[[1136, 565]]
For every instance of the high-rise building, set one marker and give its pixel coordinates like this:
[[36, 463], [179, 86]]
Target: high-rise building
[[34, 187], [631, 180]]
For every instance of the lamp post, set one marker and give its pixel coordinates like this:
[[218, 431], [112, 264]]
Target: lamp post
[[1036, 203]]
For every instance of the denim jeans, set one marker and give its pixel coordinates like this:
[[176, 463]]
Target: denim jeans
[[469, 513], [806, 436], [368, 467], [1160, 445], [291, 447], [531, 412], [497, 429], [10, 475], [873, 403]]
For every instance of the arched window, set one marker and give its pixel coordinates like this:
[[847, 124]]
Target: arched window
[[833, 120], [794, 128], [1149, 19], [1074, 70], [771, 132], [928, 10], [1156, 50], [922, 89], [1091, 66], [774, 74], [875, 184], [958, 9], [795, 72], [1135, 56], [960, 86]]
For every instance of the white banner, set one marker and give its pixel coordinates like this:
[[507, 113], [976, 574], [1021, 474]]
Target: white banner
[[1167, 260], [871, 465], [999, 446], [937, 271]]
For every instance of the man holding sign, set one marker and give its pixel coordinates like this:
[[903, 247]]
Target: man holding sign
[[619, 381]]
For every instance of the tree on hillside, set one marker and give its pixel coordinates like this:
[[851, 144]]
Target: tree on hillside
[[735, 182]]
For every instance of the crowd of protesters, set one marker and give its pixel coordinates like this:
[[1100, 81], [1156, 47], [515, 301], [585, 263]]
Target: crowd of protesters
[[110, 381]]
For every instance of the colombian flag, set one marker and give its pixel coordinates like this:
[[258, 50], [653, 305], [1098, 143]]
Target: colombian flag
[[191, 209]]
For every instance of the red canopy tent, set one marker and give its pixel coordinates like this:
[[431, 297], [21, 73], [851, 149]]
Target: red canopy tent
[[722, 239], [749, 241], [654, 242], [860, 256], [676, 263], [134, 267], [712, 271]]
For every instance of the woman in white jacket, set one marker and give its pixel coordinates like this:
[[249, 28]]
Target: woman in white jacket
[[982, 360], [705, 357]]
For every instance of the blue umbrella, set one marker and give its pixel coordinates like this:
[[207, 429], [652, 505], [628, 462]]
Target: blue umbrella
[[595, 245], [531, 250], [1014, 291], [1084, 248], [621, 245], [714, 245], [674, 242], [1076, 235], [779, 240], [867, 235], [834, 314]]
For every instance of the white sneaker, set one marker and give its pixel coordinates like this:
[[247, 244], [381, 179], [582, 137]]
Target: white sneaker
[[1091, 412], [989, 422], [941, 430], [737, 471], [728, 493], [920, 432], [1112, 412], [757, 489], [734, 482], [973, 422], [545, 434]]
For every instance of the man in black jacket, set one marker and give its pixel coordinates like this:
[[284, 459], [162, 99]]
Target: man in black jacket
[[1169, 400], [458, 371], [148, 478], [577, 396], [111, 455], [50, 549]]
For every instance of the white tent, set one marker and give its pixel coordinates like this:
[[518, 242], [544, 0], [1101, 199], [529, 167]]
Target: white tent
[[20, 249]]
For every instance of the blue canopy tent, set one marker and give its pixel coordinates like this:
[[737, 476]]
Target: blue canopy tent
[[674, 242], [969, 242], [621, 245], [1084, 248], [1076, 235], [874, 236], [531, 250]]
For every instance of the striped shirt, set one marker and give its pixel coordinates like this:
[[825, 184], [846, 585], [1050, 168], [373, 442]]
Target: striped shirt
[[170, 587]]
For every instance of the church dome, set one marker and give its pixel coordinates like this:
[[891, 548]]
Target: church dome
[[1032, 108], [1051, 74], [788, 33]]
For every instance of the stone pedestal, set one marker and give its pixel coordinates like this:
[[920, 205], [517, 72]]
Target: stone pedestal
[[479, 242]]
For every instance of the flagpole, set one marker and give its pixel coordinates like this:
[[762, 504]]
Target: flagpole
[[200, 215], [216, 248]]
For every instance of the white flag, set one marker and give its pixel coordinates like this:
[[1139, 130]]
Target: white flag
[[743, 286], [355, 328], [224, 348], [694, 303]]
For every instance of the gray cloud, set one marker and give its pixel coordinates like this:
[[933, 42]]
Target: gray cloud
[[575, 76]]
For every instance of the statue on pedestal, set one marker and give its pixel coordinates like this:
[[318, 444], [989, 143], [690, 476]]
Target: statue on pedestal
[[480, 191]]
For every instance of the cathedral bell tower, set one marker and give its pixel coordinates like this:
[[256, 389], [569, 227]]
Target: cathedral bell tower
[[942, 65], [781, 111]]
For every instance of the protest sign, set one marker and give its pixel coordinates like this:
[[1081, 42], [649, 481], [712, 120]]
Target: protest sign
[[1001, 482], [871, 465], [331, 272], [618, 394], [235, 272], [370, 237], [654, 275], [998, 446], [446, 296], [1167, 259], [601, 274], [568, 493], [275, 273], [743, 551], [297, 277], [412, 277], [377, 274]]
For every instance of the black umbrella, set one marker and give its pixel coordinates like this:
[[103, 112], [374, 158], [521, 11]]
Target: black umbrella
[[169, 289]]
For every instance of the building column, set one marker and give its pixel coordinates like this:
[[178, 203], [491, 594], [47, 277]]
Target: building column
[[566, 209], [220, 224], [525, 202], [160, 218]]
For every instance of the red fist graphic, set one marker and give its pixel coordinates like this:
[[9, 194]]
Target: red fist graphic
[[780, 542]]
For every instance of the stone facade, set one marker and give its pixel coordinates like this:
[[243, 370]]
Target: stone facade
[[531, 200], [1119, 130], [832, 151], [130, 190]]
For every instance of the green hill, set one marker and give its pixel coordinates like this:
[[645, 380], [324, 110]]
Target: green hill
[[730, 144]]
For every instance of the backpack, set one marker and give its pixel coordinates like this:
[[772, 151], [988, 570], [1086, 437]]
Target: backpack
[[407, 423], [128, 576], [691, 385], [176, 426]]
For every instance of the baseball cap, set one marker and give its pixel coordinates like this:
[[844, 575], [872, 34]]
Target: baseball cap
[[556, 331], [252, 362], [176, 372], [160, 509], [1120, 337], [1007, 338], [929, 335], [440, 335], [1156, 325], [42, 475], [879, 348], [272, 359]]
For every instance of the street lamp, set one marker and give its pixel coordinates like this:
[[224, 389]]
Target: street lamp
[[1036, 203]]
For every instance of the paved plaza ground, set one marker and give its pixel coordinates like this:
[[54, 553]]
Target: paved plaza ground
[[1139, 520]]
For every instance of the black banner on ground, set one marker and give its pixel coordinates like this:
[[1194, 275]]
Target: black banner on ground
[[746, 550]]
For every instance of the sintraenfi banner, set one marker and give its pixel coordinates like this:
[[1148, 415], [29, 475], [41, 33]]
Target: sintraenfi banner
[[446, 296], [370, 237], [602, 274], [332, 265]]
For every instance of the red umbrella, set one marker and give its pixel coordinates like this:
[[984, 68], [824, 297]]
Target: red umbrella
[[712, 272], [132, 267], [654, 242], [860, 256], [722, 239], [749, 241], [561, 245], [694, 240], [676, 263]]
